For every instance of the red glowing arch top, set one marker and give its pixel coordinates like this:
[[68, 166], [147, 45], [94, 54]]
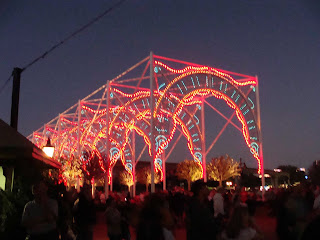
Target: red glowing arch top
[[201, 81]]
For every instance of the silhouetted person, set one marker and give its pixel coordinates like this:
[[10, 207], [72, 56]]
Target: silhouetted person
[[65, 220], [40, 215], [177, 204], [239, 226], [84, 214], [200, 222], [113, 219], [312, 231], [252, 203], [155, 219]]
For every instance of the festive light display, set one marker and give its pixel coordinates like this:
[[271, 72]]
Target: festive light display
[[221, 86], [178, 98]]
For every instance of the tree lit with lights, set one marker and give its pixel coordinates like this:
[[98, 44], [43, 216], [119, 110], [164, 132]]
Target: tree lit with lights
[[126, 179], [222, 168], [72, 172], [190, 171], [144, 176]]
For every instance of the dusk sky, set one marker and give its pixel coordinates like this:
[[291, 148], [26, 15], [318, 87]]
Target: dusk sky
[[279, 41]]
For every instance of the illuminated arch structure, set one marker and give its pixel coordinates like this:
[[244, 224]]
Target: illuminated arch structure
[[122, 107]]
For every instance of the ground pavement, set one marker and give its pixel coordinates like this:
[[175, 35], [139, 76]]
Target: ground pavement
[[266, 223]]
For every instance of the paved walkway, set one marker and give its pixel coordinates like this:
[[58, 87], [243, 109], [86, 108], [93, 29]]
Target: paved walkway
[[266, 224], [100, 229]]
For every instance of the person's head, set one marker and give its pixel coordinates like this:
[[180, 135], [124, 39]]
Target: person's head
[[239, 220], [111, 202], [220, 190], [39, 189], [212, 193], [199, 190], [86, 192]]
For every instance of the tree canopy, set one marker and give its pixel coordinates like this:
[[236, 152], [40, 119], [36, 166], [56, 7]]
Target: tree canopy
[[222, 168], [189, 170], [126, 179], [295, 174], [144, 176]]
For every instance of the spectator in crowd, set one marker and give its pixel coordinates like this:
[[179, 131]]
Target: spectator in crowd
[[113, 219], [102, 198], [316, 203], [312, 230], [40, 215], [155, 219], [252, 203], [243, 195], [218, 203], [65, 220], [239, 226], [210, 200], [84, 214], [218, 206], [200, 222]]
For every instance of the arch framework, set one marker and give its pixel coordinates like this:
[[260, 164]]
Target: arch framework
[[102, 127]]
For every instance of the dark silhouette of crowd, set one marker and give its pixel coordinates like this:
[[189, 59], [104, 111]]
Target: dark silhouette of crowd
[[203, 214]]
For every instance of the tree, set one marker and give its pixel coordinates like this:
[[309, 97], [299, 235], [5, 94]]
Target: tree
[[295, 174], [90, 166], [126, 179], [71, 171], [222, 168], [144, 176], [189, 170], [250, 180]]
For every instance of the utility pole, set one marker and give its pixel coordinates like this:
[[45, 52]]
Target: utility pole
[[15, 97], [9, 172]]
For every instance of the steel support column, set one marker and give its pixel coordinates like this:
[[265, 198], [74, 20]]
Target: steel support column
[[164, 182], [203, 132], [106, 180], [78, 146], [134, 163], [152, 123], [260, 139]]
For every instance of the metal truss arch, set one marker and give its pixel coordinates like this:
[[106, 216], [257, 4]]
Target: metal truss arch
[[180, 89]]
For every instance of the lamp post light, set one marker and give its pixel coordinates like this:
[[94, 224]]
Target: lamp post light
[[229, 183], [48, 149]]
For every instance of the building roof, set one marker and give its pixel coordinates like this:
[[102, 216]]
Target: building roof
[[14, 148]]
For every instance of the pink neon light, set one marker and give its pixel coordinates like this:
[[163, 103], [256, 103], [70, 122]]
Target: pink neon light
[[51, 130], [68, 121], [207, 70], [204, 68], [128, 95], [239, 115], [187, 100]]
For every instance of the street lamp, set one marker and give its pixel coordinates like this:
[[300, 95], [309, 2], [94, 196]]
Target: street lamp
[[48, 149], [229, 183]]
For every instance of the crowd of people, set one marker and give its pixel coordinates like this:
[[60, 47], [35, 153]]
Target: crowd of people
[[204, 214]]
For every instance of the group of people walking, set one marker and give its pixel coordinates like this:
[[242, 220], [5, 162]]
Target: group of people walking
[[203, 214]]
